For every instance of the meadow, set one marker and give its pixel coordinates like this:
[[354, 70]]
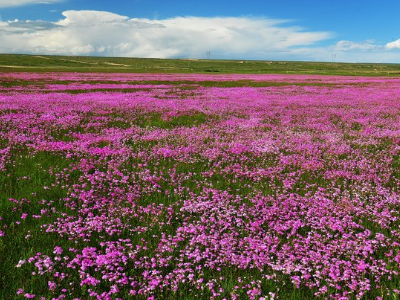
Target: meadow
[[88, 64], [199, 186]]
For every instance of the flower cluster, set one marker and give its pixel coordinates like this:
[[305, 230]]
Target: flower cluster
[[161, 185]]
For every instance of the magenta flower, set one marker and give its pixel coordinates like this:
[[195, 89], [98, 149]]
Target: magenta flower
[[170, 185]]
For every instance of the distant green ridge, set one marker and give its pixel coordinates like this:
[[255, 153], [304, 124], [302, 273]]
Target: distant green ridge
[[47, 63]]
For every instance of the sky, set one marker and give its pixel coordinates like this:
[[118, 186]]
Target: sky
[[301, 30]]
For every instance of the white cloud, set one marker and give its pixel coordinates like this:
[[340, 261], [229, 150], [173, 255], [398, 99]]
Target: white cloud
[[393, 45], [89, 17], [11, 3], [105, 33], [363, 46], [351, 52], [26, 26]]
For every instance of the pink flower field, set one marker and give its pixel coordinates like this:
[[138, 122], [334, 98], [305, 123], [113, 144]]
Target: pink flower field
[[161, 186]]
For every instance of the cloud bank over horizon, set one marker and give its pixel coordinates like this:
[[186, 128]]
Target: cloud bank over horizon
[[105, 33], [102, 33]]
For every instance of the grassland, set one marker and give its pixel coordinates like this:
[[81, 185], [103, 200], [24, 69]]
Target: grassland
[[43, 63], [197, 186]]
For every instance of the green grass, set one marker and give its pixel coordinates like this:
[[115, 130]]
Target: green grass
[[28, 172], [28, 177], [32, 63], [34, 167]]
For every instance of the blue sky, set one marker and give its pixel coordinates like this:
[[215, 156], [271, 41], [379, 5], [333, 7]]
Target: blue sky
[[349, 31]]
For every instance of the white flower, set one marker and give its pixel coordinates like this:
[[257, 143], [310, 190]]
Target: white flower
[[20, 263]]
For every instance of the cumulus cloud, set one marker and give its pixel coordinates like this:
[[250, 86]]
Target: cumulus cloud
[[105, 33], [11, 3], [393, 45], [109, 34]]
